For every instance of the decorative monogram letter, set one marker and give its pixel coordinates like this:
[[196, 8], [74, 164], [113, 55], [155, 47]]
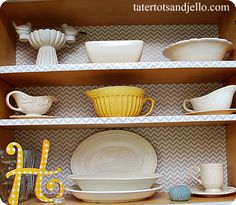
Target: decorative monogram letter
[[41, 172]]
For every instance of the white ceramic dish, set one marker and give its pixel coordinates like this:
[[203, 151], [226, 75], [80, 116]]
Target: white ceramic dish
[[121, 51], [118, 182], [114, 151], [46, 40], [30, 105], [211, 176], [112, 196], [220, 99], [202, 49], [212, 112], [200, 191]]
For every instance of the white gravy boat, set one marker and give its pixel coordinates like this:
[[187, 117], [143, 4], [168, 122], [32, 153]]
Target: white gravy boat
[[30, 105], [220, 99]]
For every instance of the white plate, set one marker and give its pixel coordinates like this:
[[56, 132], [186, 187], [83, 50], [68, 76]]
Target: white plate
[[30, 116], [112, 196], [212, 112], [200, 191], [114, 151]]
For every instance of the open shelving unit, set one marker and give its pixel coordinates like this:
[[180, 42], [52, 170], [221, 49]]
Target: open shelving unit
[[82, 13], [159, 198], [101, 74], [115, 122]]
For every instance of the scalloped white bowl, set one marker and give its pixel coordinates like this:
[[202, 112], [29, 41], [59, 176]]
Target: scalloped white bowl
[[121, 51], [115, 182], [47, 37], [202, 49]]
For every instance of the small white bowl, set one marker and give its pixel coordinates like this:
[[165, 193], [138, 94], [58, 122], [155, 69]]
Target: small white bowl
[[202, 49], [121, 51], [112, 182]]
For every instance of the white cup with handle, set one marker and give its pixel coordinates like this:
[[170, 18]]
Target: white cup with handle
[[211, 176]]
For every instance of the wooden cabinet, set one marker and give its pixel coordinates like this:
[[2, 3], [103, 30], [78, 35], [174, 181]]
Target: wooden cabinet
[[53, 13]]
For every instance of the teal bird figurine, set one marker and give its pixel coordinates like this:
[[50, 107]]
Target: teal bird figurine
[[179, 193]]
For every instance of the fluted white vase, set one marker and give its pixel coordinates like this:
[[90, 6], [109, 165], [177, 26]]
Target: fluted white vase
[[47, 41]]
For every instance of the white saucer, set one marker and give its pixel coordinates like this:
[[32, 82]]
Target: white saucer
[[112, 196], [30, 116], [200, 191], [212, 112]]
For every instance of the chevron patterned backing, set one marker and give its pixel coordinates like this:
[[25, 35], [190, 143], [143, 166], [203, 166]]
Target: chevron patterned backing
[[177, 148], [72, 101], [156, 38]]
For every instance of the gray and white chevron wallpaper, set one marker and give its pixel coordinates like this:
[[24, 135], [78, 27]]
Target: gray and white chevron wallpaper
[[177, 148], [72, 101], [156, 38]]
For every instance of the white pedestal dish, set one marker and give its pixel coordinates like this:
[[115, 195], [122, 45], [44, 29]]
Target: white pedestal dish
[[46, 40]]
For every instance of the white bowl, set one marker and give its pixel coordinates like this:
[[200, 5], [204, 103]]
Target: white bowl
[[115, 182], [122, 51], [47, 37], [203, 49]]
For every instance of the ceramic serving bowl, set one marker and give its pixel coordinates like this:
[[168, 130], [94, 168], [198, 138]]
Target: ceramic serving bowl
[[220, 99], [202, 49], [30, 105], [121, 51], [119, 101], [115, 182], [104, 197]]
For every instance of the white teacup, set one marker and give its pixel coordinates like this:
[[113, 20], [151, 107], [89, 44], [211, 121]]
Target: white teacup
[[30, 105], [220, 99], [211, 176]]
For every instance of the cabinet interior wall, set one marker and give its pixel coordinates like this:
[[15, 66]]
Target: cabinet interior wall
[[156, 38], [177, 148]]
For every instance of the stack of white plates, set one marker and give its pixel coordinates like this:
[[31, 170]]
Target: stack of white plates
[[114, 166]]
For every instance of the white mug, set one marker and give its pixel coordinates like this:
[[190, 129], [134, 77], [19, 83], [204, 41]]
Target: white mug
[[211, 176]]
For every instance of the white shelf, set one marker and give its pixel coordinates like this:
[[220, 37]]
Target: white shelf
[[119, 73], [117, 66], [95, 122], [160, 198]]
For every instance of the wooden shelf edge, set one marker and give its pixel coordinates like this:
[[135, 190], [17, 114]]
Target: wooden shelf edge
[[96, 122], [159, 198], [13, 69], [119, 73]]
